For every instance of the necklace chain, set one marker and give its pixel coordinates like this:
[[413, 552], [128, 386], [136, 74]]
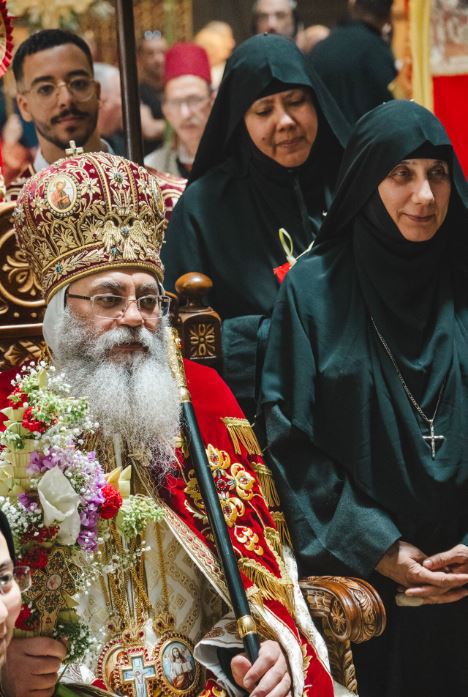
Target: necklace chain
[[417, 407]]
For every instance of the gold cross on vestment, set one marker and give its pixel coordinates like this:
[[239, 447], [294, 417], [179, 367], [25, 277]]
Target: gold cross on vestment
[[74, 149], [53, 588]]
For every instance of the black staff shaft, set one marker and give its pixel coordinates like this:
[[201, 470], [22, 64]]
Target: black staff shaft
[[245, 623], [129, 80], [209, 494]]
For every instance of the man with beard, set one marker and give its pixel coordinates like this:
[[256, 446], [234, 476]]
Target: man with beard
[[56, 91], [100, 271]]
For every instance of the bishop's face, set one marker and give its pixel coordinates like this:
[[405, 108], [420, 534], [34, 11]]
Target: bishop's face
[[114, 299], [112, 348]]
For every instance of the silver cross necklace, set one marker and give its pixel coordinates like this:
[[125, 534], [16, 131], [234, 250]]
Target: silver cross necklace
[[432, 439]]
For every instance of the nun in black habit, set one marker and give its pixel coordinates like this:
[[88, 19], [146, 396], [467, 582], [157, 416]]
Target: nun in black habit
[[227, 222], [365, 398]]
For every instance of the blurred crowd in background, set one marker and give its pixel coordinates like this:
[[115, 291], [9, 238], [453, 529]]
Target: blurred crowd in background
[[178, 83]]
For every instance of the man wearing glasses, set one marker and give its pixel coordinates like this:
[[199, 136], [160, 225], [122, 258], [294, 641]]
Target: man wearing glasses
[[101, 274], [186, 105], [56, 91]]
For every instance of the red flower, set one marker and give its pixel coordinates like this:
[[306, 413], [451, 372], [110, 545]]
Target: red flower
[[26, 620], [281, 271], [31, 423], [17, 398], [112, 503], [40, 535], [36, 558]]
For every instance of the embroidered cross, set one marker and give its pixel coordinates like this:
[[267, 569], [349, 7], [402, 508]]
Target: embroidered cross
[[53, 588]]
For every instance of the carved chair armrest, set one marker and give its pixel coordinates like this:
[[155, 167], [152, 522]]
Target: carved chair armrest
[[349, 607], [199, 326]]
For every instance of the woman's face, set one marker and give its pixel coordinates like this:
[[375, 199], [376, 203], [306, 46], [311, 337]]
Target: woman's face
[[416, 194], [10, 599], [283, 126]]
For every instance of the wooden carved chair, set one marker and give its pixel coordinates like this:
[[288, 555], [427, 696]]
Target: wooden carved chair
[[21, 304], [199, 326], [348, 609]]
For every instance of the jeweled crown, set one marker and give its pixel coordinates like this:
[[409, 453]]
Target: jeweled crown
[[89, 213]]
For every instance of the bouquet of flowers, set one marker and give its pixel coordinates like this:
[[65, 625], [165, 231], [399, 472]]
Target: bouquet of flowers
[[57, 500]]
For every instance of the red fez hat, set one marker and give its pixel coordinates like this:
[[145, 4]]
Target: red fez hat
[[187, 59]]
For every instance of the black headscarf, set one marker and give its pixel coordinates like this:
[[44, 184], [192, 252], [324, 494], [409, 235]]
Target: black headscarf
[[227, 221], [263, 64], [327, 375], [6, 532], [403, 283]]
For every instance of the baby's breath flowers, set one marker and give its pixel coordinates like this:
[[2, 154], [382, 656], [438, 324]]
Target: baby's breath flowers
[[52, 494], [64, 512]]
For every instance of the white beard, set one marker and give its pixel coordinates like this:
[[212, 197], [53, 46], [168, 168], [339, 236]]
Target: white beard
[[135, 396]]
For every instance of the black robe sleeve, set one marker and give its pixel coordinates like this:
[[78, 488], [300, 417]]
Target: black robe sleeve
[[183, 249], [243, 337]]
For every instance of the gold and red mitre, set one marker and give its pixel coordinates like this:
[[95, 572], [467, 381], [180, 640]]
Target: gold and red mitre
[[89, 213]]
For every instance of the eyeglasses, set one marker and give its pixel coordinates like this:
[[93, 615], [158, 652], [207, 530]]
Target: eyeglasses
[[20, 574], [149, 35], [193, 102], [115, 306], [47, 92]]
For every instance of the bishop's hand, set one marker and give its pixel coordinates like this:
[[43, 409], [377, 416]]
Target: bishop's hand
[[31, 667], [268, 676]]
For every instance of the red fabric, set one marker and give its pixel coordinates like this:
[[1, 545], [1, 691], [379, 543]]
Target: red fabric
[[100, 684], [212, 401], [451, 107], [6, 388], [187, 59]]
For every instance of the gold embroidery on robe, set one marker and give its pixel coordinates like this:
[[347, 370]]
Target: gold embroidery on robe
[[282, 527], [267, 484], [241, 433], [229, 479], [270, 587]]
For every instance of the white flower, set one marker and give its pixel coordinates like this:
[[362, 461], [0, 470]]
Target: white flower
[[60, 503]]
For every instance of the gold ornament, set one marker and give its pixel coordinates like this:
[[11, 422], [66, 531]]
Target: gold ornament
[[89, 213]]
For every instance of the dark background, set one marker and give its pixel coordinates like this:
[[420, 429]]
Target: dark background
[[238, 13]]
